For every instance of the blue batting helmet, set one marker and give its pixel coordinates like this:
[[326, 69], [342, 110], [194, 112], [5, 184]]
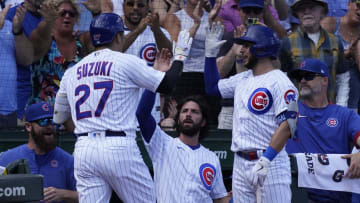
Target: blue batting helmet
[[104, 28], [265, 42]]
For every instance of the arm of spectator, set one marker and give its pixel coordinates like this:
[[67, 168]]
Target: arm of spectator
[[3, 14], [225, 63], [342, 78], [329, 24], [282, 8], [42, 35], [161, 40], [131, 37], [94, 6], [175, 5], [24, 50], [52, 194], [213, 13], [354, 168], [160, 7], [271, 22], [197, 20], [107, 6], [173, 25]]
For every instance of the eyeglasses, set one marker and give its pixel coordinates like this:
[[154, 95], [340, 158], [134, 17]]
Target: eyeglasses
[[255, 10], [71, 13], [44, 122], [307, 77]]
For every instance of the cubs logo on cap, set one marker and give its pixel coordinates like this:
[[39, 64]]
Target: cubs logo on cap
[[289, 96], [207, 175], [260, 101], [332, 122], [148, 53]]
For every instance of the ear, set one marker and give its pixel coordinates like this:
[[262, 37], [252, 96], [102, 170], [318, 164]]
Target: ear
[[28, 126], [325, 81], [203, 123]]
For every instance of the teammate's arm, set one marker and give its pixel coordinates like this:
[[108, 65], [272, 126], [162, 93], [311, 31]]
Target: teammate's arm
[[146, 121]]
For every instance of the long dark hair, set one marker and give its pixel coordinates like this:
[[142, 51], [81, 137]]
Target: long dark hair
[[204, 108]]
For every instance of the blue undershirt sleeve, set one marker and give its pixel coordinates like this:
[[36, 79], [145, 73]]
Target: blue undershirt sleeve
[[211, 77], [146, 121]]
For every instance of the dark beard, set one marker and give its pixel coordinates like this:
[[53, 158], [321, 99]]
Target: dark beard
[[41, 142], [189, 131], [252, 62]]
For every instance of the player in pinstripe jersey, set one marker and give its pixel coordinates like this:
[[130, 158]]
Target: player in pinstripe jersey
[[184, 171], [261, 97], [147, 37], [101, 93]]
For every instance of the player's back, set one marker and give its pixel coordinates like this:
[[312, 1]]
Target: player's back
[[102, 90]]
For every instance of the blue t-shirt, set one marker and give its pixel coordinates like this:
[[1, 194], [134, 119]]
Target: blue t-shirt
[[23, 76], [8, 71], [57, 166], [326, 130]]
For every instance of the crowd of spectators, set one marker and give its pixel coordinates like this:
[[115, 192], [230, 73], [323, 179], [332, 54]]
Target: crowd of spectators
[[41, 39]]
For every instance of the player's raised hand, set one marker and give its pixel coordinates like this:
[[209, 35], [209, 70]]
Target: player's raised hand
[[162, 60], [182, 47], [213, 40], [259, 171], [3, 15], [354, 169]]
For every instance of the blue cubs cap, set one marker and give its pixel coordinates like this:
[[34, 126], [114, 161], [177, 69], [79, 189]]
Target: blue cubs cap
[[251, 3], [313, 66], [38, 111]]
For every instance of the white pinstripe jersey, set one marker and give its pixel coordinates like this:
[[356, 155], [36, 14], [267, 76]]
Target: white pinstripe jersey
[[103, 88], [145, 48], [257, 102], [182, 174]]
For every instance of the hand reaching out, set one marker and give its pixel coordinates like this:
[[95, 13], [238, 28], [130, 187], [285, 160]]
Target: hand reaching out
[[162, 61], [18, 19]]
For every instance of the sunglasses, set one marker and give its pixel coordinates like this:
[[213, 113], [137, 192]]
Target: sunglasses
[[254, 10], [71, 13], [45, 121], [307, 77]]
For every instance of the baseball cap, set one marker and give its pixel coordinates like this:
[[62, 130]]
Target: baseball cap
[[38, 111], [297, 3], [251, 3], [313, 66]]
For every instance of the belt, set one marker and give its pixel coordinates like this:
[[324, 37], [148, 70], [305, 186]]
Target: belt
[[249, 155], [108, 133]]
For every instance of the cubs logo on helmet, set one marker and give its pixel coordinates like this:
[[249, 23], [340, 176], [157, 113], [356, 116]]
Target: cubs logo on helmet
[[207, 175], [45, 107], [260, 101], [332, 122], [289, 96], [148, 53]]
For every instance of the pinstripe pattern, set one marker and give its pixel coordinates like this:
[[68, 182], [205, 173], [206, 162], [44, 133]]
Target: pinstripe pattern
[[137, 48], [252, 131], [176, 170], [105, 163], [257, 102], [115, 163], [276, 186], [195, 61], [128, 73]]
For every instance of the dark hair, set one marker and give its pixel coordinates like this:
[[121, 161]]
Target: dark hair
[[204, 108]]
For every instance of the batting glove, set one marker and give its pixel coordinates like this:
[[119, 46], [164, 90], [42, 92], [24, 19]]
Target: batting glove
[[259, 171], [182, 47], [213, 40]]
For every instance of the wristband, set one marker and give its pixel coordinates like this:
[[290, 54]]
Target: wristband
[[19, 32], [270, 153]]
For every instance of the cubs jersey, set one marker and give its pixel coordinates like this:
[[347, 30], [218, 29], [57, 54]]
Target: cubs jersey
[[258, 100], [184, 174], [145, 48], [103, 88]]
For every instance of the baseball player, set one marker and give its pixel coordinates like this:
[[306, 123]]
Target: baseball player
[[184, 170], [101, 93], [322, 127], [261, 98], [149, 37]]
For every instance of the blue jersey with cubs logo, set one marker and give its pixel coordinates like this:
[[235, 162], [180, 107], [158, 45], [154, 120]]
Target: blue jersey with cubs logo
[[258, 101], [326, 130], [183, 173]]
